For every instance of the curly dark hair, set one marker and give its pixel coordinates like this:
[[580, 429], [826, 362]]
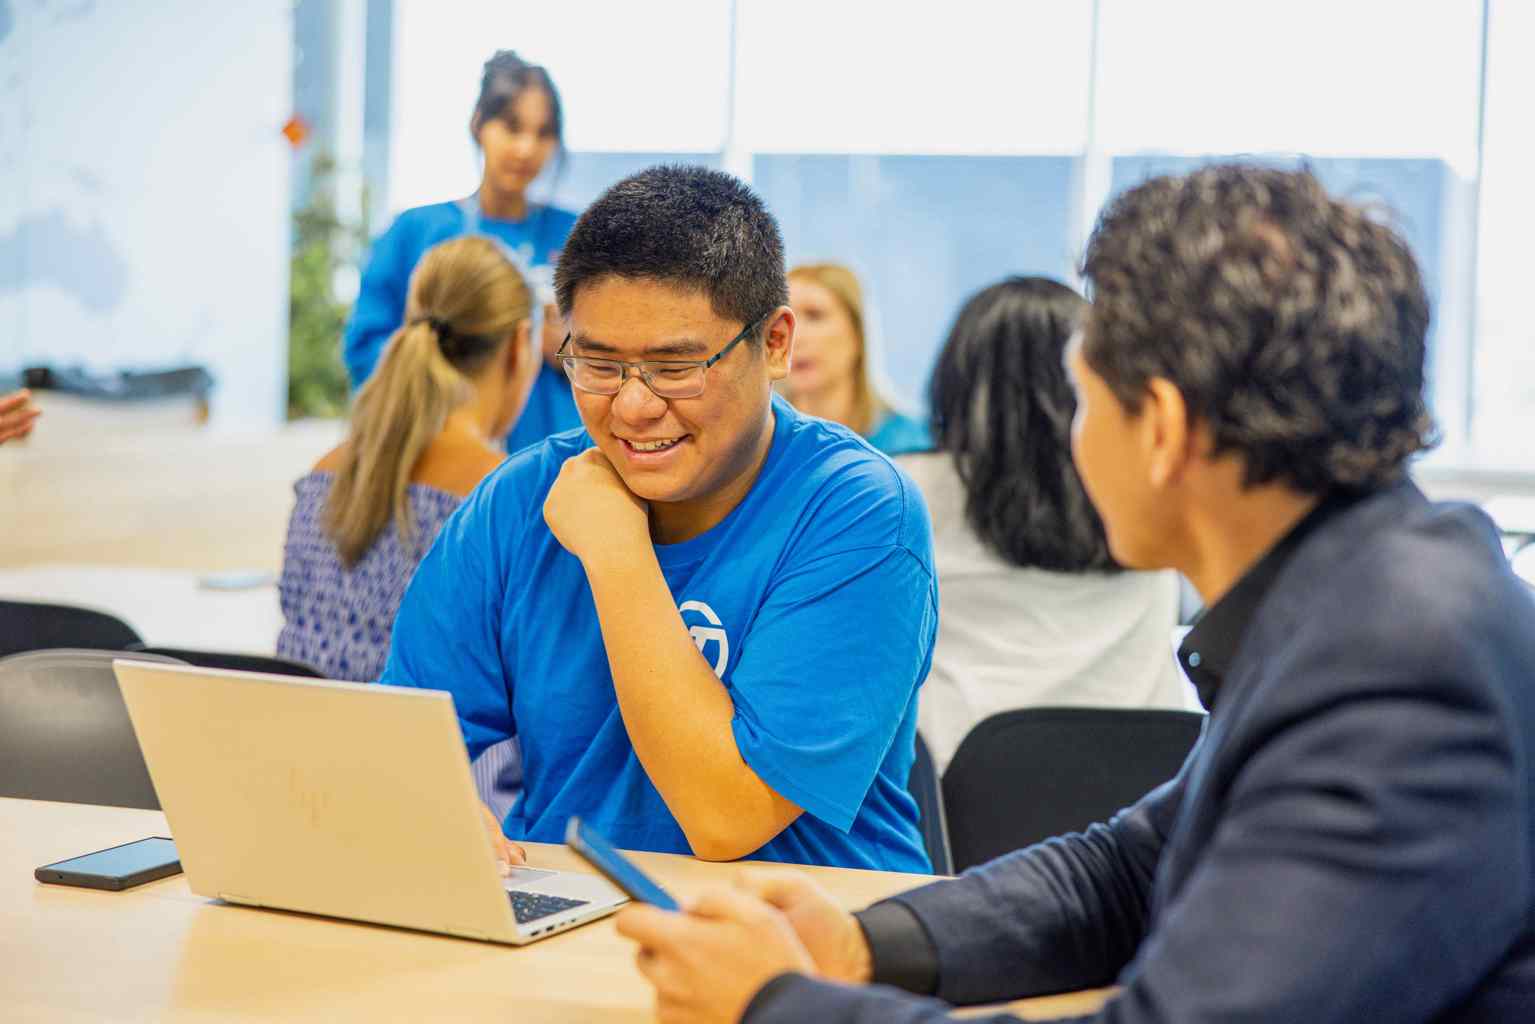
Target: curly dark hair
[[1002, 408], [1293, 324], [690, 227]]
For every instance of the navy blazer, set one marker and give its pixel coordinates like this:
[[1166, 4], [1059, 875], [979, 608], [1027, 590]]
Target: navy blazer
[[1353, 840]]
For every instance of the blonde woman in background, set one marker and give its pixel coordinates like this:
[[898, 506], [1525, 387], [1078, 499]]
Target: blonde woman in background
[[426, 428], [829, 376]]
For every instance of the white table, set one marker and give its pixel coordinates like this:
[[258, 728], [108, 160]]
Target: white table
[[167, 607]]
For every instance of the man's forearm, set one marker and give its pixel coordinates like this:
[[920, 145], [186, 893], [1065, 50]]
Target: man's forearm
[[678, 713], [1057, 916]]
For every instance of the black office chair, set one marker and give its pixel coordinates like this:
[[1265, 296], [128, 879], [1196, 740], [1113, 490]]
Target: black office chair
[[1026, 775], [28, 626], [239, 662], [65, 732], [924, 788]]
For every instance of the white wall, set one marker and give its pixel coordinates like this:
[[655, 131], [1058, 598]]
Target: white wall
[[144, 191], [633, 77]]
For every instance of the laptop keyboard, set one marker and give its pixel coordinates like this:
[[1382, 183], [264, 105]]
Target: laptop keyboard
[[530, 906]]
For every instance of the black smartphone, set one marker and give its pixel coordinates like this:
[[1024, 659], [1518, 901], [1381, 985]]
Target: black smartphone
[[118, 868], [615, 867]]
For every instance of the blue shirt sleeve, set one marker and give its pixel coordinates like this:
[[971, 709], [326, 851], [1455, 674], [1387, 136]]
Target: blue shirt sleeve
[[448, 632], [822, 686], [380, 305]]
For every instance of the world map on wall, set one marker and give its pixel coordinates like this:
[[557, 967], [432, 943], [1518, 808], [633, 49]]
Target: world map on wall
[[53, 246]]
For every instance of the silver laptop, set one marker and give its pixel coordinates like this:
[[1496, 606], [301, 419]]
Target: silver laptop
[[341, 799]]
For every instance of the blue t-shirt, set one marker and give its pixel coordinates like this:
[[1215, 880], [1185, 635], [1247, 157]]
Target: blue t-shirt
[[814, 601], [899, 434], [380, 308]]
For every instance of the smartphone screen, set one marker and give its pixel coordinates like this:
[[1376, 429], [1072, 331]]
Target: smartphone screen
[[143, 860], [615, 867]]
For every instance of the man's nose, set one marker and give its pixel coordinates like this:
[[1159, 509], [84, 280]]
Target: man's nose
[[635, 401]]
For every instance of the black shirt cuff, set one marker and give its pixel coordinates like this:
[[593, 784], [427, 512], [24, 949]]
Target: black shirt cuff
[[902, 952]]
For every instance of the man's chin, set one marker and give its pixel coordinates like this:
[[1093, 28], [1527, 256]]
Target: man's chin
[[657, 493], [656, 488]]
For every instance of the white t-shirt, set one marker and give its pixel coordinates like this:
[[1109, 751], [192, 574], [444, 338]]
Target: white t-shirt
[[1010, 637]]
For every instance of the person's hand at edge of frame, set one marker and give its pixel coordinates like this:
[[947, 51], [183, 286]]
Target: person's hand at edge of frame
[[17, 415]]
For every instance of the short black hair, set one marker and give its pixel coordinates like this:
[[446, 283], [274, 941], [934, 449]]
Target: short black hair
[[690, 227], [1294, 324], [505, 77], [1002, 408]]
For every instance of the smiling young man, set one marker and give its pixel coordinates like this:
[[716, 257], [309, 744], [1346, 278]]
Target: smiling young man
[[708, 629], [1353, 838]]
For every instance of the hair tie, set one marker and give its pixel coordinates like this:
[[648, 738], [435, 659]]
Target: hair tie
[[442, 329]]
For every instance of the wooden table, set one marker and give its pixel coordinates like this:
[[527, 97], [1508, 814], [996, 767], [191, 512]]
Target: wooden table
[[160, 953]]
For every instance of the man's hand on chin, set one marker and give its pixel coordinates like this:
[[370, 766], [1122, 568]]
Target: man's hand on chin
[[591, 511]]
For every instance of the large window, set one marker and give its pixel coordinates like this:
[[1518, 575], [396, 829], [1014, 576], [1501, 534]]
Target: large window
[[938, 149], [1502, 349], [923, 232], [1379, 98], [931, 156]]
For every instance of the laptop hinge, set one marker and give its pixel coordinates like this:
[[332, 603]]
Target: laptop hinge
[[244, 901]]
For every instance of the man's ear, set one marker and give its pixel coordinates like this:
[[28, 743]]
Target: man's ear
[[778, 342], [475, 124], [1170, 436]]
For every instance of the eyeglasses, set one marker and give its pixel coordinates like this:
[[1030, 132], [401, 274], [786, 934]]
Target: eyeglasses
[[668, 378]]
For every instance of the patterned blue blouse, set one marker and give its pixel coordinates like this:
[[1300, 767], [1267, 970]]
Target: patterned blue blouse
[[336, 619]]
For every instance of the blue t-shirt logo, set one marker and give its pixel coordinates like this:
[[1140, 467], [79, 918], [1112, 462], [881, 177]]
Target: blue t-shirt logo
[[713, 632]]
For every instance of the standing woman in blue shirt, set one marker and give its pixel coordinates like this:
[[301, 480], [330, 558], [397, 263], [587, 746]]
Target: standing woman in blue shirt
[[519, 126]]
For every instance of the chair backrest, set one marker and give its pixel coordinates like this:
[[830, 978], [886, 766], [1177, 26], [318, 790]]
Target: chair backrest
[[1026, 775], [238, 662], [27, 626], [65, 732], [924, 788]]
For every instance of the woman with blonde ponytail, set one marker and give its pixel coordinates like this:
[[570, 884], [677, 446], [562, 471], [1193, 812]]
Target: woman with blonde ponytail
[[425, 429]]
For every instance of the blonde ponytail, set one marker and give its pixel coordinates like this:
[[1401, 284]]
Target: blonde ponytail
[[466, 299]]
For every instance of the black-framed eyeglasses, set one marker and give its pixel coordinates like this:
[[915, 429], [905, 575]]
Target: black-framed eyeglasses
[[668, 378]]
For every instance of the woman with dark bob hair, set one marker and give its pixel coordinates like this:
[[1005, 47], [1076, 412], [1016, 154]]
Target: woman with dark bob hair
[[1035, 611]]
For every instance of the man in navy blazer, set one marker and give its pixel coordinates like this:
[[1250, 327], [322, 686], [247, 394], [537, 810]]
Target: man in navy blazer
[[1353, 839]]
